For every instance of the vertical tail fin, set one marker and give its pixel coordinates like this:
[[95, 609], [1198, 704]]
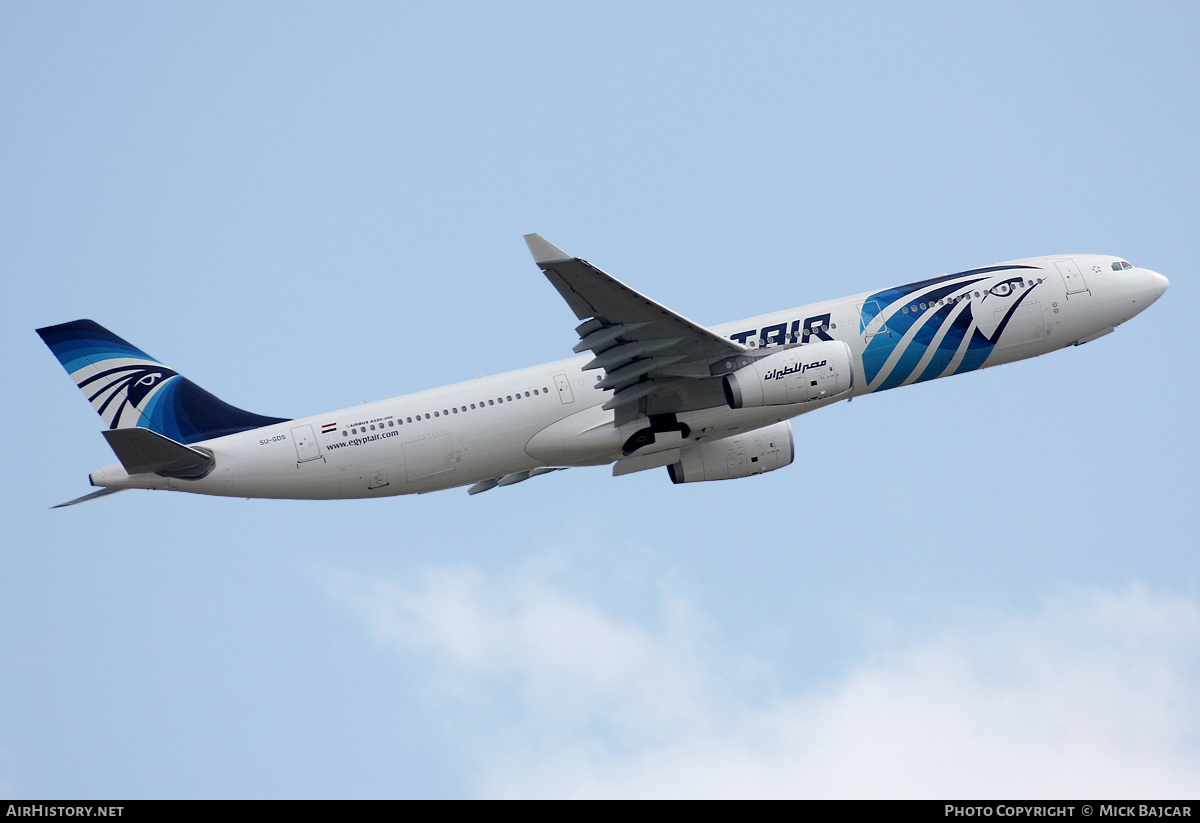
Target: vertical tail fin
[[129, 388]]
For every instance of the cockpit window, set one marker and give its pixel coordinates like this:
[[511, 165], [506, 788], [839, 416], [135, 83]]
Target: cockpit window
[[1121, 264]]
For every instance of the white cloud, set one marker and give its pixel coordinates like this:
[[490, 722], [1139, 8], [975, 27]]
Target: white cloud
[[1095, 695]]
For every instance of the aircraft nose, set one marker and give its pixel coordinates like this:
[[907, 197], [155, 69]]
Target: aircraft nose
[[1157, 283]]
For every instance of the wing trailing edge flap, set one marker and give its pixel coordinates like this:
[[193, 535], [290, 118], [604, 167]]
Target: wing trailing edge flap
[[142, 450], [655, 361]]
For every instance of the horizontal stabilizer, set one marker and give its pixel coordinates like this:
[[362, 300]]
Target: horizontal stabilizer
[[87, 497], [143, 450]]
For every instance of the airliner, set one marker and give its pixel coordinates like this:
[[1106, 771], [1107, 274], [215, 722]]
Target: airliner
[[648, 388]]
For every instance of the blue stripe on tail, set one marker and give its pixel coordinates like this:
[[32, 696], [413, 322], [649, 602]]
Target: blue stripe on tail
[[128, 387]]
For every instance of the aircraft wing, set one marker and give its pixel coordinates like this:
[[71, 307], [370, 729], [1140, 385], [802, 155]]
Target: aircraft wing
[[655, 361]]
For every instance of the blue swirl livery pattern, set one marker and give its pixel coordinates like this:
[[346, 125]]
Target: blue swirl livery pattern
[[129, 388], [941, 326]]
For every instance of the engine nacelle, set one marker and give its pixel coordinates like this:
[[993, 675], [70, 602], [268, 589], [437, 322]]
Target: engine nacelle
[[762, 450], [798, 375]]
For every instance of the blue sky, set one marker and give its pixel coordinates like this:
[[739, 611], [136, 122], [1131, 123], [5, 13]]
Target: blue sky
[[985, 586]]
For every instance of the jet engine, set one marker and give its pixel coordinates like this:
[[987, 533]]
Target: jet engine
[[762, 450], [798, 375]]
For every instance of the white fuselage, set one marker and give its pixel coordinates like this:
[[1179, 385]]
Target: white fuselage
[[551, 416]]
